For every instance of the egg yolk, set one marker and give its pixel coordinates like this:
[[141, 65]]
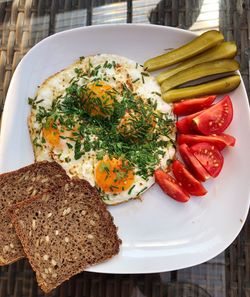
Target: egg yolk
[[99, 99], [51, 135], [135, 125], [112, 176]]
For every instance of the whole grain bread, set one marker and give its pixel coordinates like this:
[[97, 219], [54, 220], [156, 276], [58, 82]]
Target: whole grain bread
[[16, 186], [65, 231]]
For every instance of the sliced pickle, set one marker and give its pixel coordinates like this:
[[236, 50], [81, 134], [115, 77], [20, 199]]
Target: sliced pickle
[[219, 86], [198, 45], [199, 71], [224, 50]]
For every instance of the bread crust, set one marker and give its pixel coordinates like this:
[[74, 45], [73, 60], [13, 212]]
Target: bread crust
[[15, 213], [11, 180]]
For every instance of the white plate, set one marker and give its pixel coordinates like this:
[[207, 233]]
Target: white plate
[[158, 234]]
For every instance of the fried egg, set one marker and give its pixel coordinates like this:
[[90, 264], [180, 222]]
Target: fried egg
[[103, 120]]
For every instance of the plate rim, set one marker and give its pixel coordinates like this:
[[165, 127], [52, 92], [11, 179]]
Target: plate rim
[[117, 26]]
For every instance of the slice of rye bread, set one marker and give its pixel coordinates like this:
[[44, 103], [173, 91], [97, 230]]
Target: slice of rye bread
[[16, 186], [65, 231]]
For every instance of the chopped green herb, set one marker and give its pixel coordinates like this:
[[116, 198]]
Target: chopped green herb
[[78, 152], [131, 189], [131, 129], [145, 74], [67, 159], [113, 187], [31, 101], [100, 155], [69, 145], [142, 191], [105, 167], [156, 93]]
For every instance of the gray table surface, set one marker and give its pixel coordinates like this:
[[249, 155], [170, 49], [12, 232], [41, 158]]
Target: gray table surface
[[22, 25]]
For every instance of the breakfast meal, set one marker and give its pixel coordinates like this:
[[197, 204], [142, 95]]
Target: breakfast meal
[[103, 131], [103, 119], [65, 231]]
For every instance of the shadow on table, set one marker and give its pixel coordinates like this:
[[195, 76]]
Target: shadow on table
[[18, 280]]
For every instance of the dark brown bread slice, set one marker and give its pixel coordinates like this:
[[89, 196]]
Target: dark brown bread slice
[[16, 186], [65, 231]]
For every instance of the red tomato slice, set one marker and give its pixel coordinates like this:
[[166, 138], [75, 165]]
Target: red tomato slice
[[216, 118], [188, 182], [209, 156], [190, 106], [193, 164], [186, 126], [220, 141], [170, 186]]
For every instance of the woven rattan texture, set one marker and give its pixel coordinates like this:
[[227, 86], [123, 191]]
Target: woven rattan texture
[[18, 280], [22, 25], [178, 13], [235, 25]]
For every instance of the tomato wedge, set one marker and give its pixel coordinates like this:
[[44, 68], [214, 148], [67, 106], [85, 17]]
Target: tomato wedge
[[209, 156], [220, 141], [192, 163], [186, 125], [190, 106], [216, 118], [170, 186], [188, 182]]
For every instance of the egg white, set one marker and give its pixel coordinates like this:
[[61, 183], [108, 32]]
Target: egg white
[[54, 87]]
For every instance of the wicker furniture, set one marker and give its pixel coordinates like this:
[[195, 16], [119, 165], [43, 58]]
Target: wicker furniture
[[22, 25]]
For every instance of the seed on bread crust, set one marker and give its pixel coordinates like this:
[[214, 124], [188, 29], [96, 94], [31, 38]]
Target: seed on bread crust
[[66, 211], [6, 248], [34, 224], [79, 243], [17, 186]]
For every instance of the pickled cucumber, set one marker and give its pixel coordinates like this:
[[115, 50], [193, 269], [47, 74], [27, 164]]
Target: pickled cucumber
[[198, 45], [219, 86], [199, 71], [224, 50]]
